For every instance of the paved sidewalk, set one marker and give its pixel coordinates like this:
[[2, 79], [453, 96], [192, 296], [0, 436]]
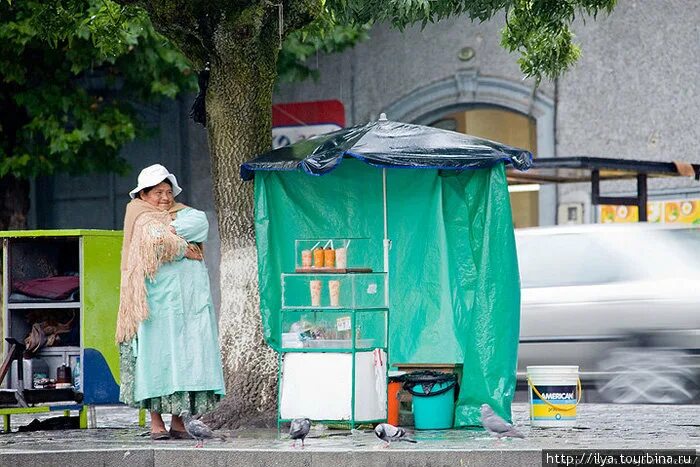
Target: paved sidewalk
[[119, 441]]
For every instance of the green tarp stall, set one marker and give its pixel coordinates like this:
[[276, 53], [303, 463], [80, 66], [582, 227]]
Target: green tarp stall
[[453, 272]]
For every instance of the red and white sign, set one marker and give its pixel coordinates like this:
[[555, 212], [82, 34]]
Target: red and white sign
[[301, 120]]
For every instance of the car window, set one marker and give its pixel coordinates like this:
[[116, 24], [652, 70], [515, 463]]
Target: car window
[[687, 240], [673, 252], [551, 259], [566, 260]]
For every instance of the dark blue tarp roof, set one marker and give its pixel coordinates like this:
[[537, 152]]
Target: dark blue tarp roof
[[390, 144]]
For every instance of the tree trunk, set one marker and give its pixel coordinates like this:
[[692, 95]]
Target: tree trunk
[[239, 113], [14, 203]]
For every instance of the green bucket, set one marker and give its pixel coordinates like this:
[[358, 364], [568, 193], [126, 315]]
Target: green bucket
[[433, 399]]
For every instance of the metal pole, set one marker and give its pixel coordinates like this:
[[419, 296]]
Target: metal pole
[[387, 242], [642, 196], [386, 231]]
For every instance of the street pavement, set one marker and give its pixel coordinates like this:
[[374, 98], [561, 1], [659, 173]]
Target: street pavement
[[119, 441]]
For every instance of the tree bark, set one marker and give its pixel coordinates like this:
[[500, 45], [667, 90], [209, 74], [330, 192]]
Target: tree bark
[[14, 203], [239, 108]]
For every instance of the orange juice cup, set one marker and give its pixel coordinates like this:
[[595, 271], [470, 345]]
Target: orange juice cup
[[318, 258], [329, 258]]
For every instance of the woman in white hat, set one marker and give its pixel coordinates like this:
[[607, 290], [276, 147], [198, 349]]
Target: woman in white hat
[[166, 327]]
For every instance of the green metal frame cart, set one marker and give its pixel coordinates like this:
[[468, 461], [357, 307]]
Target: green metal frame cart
[[89, 317], [334, 341]]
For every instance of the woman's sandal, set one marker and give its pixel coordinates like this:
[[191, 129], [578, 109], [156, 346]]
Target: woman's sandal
[[160, 435]]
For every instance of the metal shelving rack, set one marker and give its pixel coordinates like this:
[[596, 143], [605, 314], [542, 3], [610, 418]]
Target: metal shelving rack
[[364, 300], [94, 255]]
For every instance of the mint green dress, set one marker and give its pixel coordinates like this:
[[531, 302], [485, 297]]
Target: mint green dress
[[174, 363]]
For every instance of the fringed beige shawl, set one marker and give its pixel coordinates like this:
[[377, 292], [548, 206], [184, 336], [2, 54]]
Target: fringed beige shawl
[[148, 243]]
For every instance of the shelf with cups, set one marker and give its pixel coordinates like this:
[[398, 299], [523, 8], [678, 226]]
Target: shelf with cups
[[334, 291], [334, 312], [332, 255], [334, 321]]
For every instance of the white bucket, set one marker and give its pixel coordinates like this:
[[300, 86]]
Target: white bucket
[[555, 391]]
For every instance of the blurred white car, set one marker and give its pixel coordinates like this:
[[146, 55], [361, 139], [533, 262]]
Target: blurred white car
[[620, 301]]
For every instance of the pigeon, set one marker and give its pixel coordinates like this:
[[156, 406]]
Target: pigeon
[[390, 433], [196, 429], [496, 425], [299, 429]]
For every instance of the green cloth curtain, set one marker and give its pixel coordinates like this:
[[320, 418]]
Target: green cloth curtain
[[454, 284]]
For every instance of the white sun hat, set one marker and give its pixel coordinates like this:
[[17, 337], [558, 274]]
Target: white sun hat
[[152, 176]]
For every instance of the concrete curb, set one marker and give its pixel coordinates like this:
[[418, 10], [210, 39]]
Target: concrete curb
[[249, 458]]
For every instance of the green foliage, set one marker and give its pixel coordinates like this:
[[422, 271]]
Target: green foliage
[[323, 35], [69, 69], [69, 72], [538, 29]]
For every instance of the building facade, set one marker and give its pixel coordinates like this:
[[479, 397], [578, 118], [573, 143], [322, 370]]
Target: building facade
[[631, 95]]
